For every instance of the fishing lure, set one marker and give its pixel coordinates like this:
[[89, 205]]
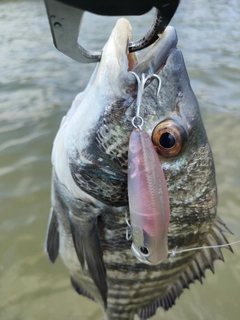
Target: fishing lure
[[147, 192]]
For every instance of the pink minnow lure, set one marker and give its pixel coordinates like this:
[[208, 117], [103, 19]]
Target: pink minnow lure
[[148, 200]]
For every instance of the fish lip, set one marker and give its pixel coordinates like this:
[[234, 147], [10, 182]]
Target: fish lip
[[117, 63], [156, 55]]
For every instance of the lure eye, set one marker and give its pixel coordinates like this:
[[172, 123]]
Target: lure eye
[[144, 250], [169, 137]]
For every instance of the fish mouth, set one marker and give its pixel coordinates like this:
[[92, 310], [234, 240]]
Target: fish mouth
[[119, 62], [155, 56]]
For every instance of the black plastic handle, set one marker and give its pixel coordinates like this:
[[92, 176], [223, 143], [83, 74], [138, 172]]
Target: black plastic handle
[[125, 7]]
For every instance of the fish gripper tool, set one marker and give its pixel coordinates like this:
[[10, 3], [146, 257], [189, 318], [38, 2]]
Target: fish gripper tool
[[65, 17]]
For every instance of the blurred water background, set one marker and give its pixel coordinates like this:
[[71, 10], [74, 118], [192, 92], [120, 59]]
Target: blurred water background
[[37, 86]]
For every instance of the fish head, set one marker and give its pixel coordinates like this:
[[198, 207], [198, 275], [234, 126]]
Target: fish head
[[94, 136]]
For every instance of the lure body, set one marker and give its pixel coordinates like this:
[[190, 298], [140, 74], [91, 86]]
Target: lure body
[[148, 200]]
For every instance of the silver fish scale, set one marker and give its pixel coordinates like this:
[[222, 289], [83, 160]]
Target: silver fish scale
[[110, 137], [100, 180]]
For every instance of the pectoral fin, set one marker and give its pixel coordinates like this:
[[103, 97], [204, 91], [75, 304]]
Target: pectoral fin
[[78, 241], [79, 289], [88, 249], [52, 241]]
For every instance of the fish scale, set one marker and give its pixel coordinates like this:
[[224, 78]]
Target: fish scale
[[87, 225]]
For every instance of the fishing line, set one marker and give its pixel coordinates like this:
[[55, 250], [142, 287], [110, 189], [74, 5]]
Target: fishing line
[[174, 252]]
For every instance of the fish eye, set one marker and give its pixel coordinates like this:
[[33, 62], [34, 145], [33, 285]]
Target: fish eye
[[169, 137], [144, 250]]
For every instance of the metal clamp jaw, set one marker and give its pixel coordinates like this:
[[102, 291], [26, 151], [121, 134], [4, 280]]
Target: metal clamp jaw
[[65, 17]]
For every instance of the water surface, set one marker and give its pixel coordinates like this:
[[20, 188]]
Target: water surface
[[37, 85]]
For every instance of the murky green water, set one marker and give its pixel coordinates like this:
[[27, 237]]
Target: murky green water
[[37, 86]]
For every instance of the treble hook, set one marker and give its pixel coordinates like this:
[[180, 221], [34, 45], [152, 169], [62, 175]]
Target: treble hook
[[141, 84], [129, 227]]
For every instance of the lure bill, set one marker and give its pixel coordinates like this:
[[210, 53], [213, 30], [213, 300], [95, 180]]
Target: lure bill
[[148, 200]]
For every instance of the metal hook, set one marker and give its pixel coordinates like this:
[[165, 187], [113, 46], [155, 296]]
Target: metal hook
[[128, 229], [141, 84]]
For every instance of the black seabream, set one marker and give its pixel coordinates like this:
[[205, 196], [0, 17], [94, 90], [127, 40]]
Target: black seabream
[[87, 224]]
